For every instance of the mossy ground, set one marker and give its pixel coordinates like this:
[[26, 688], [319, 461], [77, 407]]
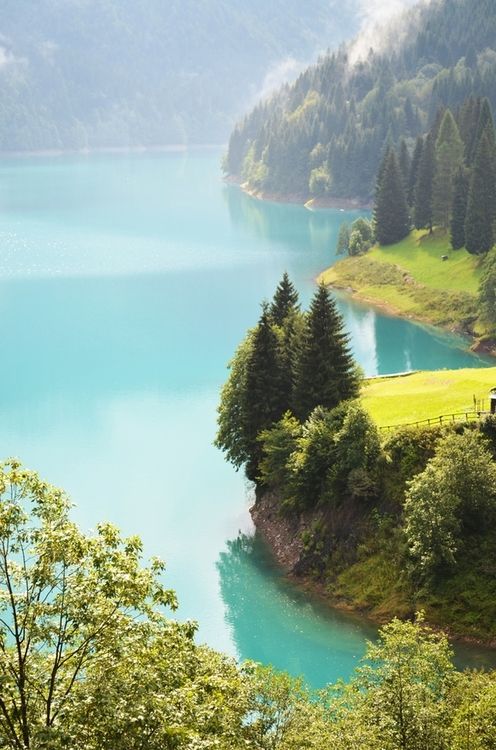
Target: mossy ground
[[462, 600]]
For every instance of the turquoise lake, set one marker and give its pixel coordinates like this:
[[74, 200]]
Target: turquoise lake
[[126, 282]]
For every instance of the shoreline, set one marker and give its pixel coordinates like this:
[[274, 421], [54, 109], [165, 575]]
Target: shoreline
[[175, 148], [282, 539], [299, 199], [474, 344]]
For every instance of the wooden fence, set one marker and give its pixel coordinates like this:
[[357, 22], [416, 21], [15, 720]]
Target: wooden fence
[[445, 419]]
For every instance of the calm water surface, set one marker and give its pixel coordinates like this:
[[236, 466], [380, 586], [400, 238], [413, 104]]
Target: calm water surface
[[126, 283]]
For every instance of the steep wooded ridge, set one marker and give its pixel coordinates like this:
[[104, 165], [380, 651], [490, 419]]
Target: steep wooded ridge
[[88, 73], [325, 135]]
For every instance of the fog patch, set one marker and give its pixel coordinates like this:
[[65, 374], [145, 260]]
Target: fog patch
[[384, 25], [284, 71]]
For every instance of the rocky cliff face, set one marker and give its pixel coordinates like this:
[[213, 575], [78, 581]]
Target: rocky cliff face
[[283, 535]]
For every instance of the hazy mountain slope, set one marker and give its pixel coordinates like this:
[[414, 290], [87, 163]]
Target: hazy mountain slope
[[117, 72], [327, 132]]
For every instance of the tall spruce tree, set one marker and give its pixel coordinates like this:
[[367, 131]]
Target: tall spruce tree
[[285, 313], [459, 209], [449, 157], [489, 131], [422, 212], [285, 301], [479, 236], [391, 219], [485, 122], [262, 397], [325, 369], [404, 163], [487, 291], [414, 168], [469, 127]]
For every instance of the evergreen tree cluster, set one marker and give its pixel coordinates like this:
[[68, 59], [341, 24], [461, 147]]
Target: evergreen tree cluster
[[449, 181], [326, 133], [290, 362]]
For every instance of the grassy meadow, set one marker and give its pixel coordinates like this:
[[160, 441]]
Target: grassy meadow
[[412, 279], [426, 395]]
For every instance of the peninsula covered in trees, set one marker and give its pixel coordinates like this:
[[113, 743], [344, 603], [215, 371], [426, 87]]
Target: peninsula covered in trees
[[351, 501]]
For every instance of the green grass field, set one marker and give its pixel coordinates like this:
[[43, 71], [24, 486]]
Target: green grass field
[[426, 395], [411, 279], [420, 255]]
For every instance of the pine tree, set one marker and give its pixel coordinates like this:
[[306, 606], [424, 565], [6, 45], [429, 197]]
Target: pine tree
[[484, 123], [487, 292], [325, 370], [411, 117], [449, 157], [459, 209], [423, 189], [479, 237], [382, 165], [414, 168], [285, 313], [469, 126], [285, 301], [263, 402], [404, 163], [391, 219], [436, 126], [486, 127]]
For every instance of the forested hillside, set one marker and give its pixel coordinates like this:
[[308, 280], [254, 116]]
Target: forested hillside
[[78, 73], [327, 133]]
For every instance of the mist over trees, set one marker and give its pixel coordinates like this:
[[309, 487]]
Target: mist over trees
[[327, 133], [105, 73]]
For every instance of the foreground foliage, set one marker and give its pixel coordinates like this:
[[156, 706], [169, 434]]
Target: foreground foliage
[[88, 659]]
